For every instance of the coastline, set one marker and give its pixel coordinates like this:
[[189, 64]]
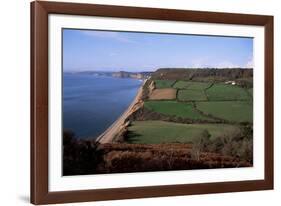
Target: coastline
[[110, 133]]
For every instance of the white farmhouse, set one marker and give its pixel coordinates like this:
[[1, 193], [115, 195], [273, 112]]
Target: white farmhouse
[[230, 82]]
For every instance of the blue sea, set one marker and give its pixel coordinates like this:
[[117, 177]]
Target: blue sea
[[92, 103]]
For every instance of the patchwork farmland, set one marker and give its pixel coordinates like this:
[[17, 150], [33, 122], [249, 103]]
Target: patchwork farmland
[[178, 108]]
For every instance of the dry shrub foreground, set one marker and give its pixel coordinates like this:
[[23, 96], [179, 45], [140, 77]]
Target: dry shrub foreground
[[88, 157]]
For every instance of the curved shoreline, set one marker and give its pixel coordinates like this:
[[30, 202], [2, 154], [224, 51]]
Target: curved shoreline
[[109, 134]]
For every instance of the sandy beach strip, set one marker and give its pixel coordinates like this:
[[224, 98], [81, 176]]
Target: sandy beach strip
[[108, 135]]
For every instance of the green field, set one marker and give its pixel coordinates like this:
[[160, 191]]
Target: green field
[[163, 83], [191, 95], [174, 108], [181, 84], [250, 91], [226, 92], [199, 85], [236, 111], [191, 85], [153, 132]]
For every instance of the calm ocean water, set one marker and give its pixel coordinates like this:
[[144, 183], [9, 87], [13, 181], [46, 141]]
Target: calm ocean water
[[92, 103]]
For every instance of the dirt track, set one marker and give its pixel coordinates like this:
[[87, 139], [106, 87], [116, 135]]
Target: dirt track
[[108, 135]]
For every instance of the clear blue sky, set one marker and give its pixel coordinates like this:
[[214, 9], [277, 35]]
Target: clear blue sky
[[130, 51]]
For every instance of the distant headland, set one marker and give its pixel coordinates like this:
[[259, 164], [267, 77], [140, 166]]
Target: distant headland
[[174, 73], [119, 74]]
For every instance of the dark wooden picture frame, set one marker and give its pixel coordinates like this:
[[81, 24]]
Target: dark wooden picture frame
[[39, 102]]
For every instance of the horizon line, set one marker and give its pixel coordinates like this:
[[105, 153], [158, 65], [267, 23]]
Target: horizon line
[[126, 70]]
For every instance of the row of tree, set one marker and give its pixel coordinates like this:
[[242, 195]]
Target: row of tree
[[189, 74]]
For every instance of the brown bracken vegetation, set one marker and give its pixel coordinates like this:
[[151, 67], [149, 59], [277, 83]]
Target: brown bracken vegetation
[[88, 157]]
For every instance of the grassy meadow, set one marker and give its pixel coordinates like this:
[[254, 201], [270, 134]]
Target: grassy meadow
[[160, 84], [222, 92], [234, 111], [156, 132], [181, 84], [175, 108], [191, 95]]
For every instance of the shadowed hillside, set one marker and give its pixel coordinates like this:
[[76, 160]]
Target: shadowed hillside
[[200, 74]]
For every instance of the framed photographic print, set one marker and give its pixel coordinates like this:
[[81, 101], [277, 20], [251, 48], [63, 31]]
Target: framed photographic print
[[131, 102]]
